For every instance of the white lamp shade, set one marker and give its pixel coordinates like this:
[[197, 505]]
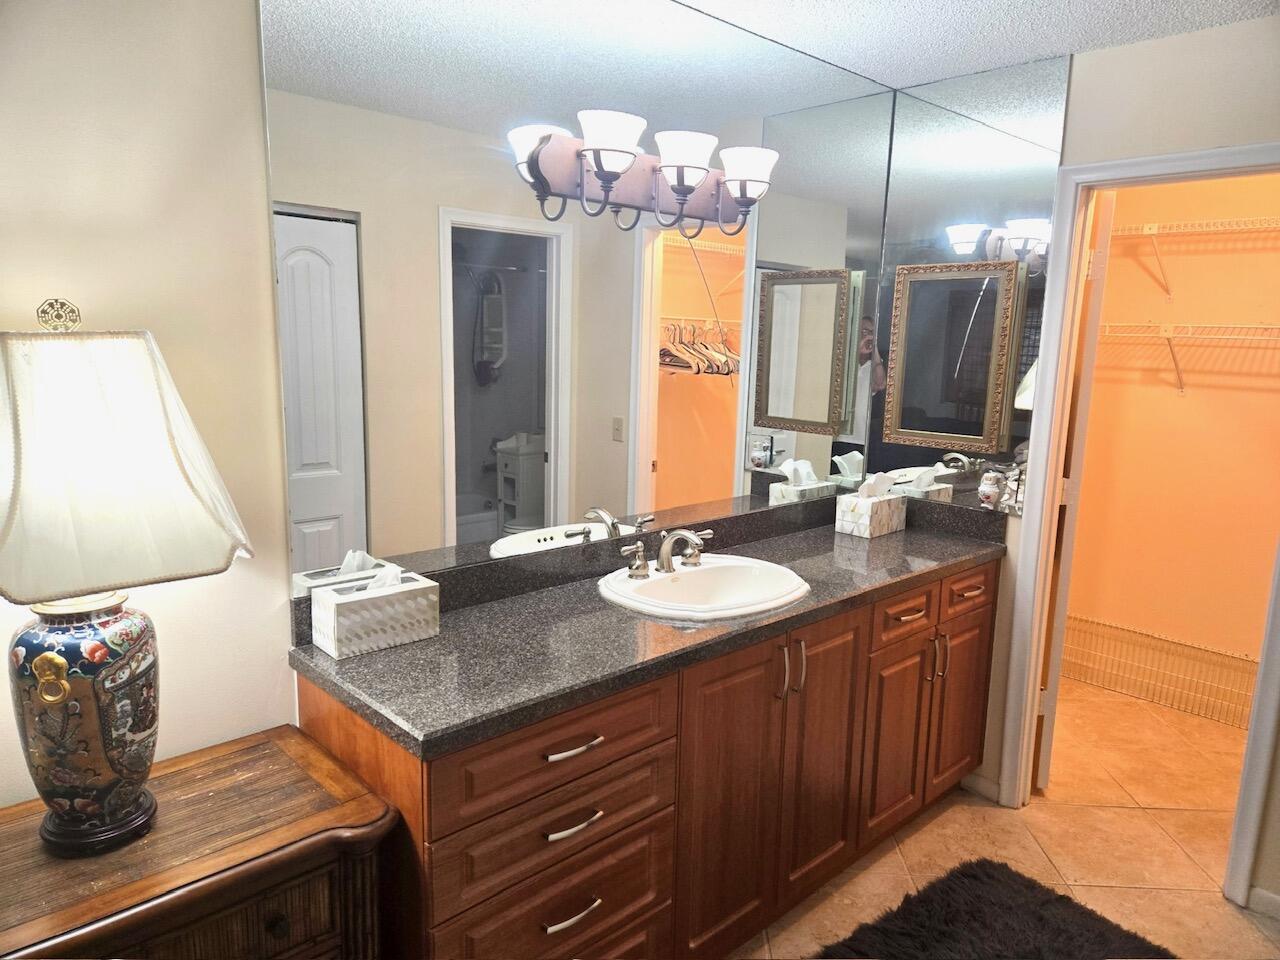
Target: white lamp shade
[[1037, 229], [964, 237], [104, 481], [687, 149], [524, 139], [747, 170], [615, 135]]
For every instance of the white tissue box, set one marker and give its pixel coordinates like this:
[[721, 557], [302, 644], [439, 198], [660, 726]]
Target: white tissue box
[[308, 580], [795, 492], [870, 516], [937, 491], [355, 618]]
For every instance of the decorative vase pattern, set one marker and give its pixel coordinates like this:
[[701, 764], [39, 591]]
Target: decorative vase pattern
[[85, 696]]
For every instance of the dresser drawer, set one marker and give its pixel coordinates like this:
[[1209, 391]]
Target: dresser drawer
[[903, 615], [650, 939], [577, 903], [472, 865], [963, 592], [467, 786], [297, 917]]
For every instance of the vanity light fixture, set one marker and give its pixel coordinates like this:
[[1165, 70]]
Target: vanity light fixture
[[607, 170], [964, 237], [1028, 235]]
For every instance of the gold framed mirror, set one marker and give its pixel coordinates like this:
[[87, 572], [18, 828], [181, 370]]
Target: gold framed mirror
[[801, 345], [952, 337]]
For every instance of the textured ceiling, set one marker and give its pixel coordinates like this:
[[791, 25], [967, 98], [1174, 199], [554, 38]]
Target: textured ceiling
[[907, 42], [486, 66]]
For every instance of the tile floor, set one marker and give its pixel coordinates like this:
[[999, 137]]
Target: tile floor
[[1135, 824]]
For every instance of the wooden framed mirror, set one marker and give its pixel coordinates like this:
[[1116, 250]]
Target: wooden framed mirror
[[952, 339], [802, 342]]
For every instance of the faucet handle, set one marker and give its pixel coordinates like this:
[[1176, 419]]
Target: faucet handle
[[638, 569], [583, 532], [705, 534], [642, 522]]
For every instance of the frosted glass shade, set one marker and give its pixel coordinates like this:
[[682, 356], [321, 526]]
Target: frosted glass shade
[[687, 149], [747, 170], [964, 237], [524, 139], [615, 135], [104, 481], [1038, 229]]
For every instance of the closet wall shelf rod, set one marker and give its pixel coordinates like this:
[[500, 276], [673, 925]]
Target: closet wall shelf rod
[[711, 246], [677, 318], [1238, 333], [1186, 227]]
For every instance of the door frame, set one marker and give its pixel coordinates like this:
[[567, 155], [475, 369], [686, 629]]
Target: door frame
[[1034, 569], [642, 435], [559, 365], [342, 216]]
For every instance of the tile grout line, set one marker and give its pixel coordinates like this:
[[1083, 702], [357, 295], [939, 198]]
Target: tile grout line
[[1185, 852]]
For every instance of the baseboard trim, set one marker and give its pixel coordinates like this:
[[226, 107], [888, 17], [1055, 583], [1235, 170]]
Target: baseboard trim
[[984, 787], [1264, 902]]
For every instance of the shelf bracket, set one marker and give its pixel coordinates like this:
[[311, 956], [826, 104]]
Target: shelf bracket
[[1177, 368], [1149, 229]]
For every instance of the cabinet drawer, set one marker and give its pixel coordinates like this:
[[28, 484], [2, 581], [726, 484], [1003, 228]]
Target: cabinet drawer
[[576, 903], [649, 939], [475, 783], [962, 592], [903, 615], [473, 864], [295, 917]]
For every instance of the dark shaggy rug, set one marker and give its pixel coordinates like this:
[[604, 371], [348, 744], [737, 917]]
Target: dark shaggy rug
[[983, 910]]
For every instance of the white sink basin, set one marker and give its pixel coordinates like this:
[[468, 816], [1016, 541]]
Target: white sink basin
[[548, 538], [722, 587]]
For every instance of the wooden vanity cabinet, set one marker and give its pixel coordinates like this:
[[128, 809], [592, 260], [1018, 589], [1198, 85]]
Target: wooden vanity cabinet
[[681, 816], [769, 763]]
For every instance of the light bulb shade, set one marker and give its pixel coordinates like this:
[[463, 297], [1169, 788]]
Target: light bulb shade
[[747, 170], [685, 153], [524, 139], [1036, 229], [964, 237], [104, 481], [610, 137]]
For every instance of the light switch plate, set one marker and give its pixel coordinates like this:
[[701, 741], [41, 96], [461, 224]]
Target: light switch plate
[[617, 429]]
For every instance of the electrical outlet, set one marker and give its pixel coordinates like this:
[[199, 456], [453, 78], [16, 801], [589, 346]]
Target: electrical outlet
[[617, 429]]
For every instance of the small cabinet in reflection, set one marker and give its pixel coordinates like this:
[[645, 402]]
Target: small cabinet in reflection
[[951, 343]]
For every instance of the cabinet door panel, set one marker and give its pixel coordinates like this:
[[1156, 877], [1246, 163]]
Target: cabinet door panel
[[893, 763], [958, 723], [823, 752], [730, 759]]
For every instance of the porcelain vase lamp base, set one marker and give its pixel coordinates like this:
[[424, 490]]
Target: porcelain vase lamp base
[[84, 680]]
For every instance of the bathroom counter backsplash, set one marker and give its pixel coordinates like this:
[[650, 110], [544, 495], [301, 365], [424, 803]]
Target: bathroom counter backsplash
[[503, 664]]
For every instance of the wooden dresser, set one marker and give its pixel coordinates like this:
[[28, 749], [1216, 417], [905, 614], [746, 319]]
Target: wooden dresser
[[680, 816], [263, 847]]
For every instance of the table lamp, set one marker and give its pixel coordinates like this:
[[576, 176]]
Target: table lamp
[[104, 484]]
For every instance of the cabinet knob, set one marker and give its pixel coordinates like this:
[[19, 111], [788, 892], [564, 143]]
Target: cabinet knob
[[277, 925]]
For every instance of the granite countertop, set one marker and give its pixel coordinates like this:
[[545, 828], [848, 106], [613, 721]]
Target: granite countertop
[[498, 666]]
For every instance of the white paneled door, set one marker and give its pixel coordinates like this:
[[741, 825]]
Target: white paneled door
[[319, 305]]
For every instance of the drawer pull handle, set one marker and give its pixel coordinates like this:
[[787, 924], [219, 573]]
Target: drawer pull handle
[[804, 668], [910, 617], [561, 834], [576, 751], [975, 592], [566, 924], [786, 673], [946, 638], [277, 925], [933, 672]]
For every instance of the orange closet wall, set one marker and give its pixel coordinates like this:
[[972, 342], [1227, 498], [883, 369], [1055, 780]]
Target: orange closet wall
[[1179, 518], [698, 413]]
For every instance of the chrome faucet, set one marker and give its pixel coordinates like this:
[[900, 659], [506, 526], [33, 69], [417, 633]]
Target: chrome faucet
[[692, 554], [641, 522], [605, 517], [959, 461]]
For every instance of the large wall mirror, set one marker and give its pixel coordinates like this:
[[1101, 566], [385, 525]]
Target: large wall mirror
[[951, 341], [803, 337]]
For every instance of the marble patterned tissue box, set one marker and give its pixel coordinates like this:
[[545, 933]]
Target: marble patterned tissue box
[[356, 618], [795, 492], [937, 491], [870, 516]]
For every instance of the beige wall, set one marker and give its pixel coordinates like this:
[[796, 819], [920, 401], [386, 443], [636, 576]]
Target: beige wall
[[1212, 88], [397, 173], [133, 183]]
